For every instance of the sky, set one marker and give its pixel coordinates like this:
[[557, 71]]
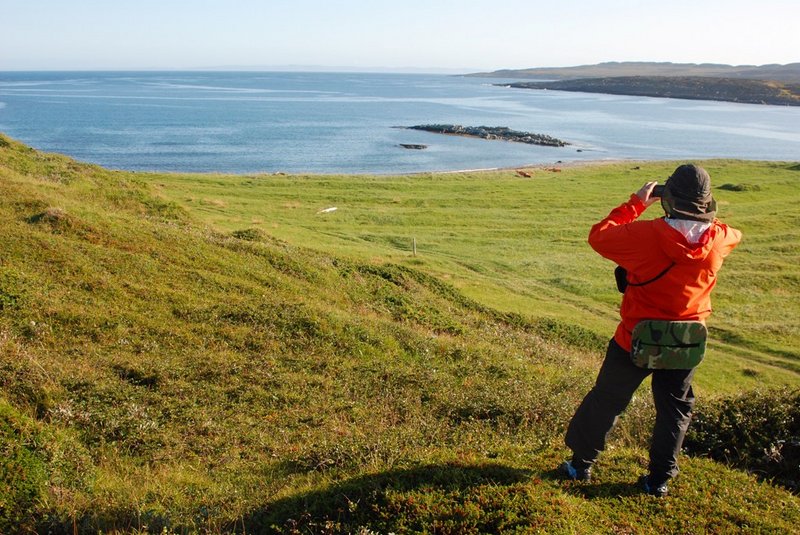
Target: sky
[[428, 35]]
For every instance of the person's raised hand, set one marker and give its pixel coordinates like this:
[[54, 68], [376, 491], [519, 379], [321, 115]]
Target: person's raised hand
[[645, 193]]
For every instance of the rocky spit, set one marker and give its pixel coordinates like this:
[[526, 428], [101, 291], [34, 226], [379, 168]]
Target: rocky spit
[[491, 132]]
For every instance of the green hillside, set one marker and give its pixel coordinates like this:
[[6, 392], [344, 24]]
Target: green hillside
[[789, 73], [211, 354]]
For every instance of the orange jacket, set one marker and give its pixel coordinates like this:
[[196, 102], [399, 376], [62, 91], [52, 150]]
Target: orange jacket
[[645, 249]]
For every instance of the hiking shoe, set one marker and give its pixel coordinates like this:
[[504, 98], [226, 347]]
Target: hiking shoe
[[659, 491], [570, 472]]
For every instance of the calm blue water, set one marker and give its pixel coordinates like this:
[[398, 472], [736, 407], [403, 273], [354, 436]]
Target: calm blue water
[[335, 122]]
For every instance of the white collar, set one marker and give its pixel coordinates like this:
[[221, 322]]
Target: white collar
[[692, 230]]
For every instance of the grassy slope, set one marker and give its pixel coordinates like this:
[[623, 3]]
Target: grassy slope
[[155, 373], [519, 244]]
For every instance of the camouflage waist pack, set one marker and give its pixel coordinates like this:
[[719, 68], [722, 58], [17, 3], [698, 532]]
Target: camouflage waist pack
[[668, 345]]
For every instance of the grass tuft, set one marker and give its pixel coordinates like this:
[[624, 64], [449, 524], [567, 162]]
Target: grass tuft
[[740, 187]]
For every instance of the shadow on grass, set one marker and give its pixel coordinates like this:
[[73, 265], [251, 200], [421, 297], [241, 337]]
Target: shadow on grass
[[364, 500], [591, 490]]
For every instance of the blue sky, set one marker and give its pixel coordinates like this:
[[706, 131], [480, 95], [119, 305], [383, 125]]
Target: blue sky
[[461, 35]]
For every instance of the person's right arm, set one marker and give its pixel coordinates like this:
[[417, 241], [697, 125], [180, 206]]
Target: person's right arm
[[611, 238]]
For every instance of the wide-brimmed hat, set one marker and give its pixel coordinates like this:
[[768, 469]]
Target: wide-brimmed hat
[[687, 194]]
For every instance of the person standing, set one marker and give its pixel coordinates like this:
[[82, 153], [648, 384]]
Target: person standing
[[672, 265]]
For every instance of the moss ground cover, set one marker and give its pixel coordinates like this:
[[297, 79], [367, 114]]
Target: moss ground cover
[[211, 354]]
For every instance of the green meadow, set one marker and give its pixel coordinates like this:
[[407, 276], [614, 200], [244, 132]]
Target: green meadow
[[518, 244], [218, 353]]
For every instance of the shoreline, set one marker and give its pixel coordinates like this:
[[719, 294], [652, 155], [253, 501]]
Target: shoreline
[[8, 141], [526, 166], [546, 166], [542, 166]]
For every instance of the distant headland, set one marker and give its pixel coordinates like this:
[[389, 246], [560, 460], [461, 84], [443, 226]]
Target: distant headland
[[767, 84], [789, 73]]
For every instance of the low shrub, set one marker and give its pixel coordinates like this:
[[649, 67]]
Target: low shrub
[[757, 431], [248, 234], [22, 471]]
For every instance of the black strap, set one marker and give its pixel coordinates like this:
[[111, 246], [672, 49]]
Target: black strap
[[653, 279]]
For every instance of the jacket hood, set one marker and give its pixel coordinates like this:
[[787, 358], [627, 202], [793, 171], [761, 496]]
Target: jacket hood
[[678, 249]]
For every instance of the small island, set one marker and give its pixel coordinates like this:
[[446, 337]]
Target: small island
[[491, 132]]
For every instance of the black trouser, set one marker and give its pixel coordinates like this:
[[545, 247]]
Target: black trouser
[[617, 381]]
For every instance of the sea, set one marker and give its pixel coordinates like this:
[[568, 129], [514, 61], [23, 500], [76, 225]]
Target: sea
[[304, 122]]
